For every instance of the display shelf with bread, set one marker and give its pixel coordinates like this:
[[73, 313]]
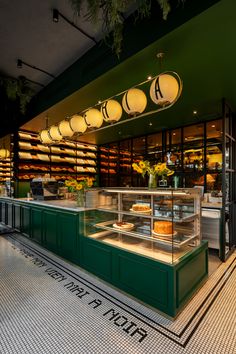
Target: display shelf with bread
[[61, 160], [168, 220]]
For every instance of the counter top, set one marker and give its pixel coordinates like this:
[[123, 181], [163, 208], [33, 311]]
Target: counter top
[[64, 204]]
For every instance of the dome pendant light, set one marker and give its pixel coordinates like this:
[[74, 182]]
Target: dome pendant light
[[111, 111], [164, 89], [134, 101], [65, 129], [78, 124]]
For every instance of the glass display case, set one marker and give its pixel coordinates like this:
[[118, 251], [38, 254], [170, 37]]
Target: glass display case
[[163, 224]]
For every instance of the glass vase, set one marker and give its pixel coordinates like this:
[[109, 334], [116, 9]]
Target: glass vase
[[80, 199], [152, 181]]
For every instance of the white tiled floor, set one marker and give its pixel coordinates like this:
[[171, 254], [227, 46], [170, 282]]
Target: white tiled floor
[[41, 310]]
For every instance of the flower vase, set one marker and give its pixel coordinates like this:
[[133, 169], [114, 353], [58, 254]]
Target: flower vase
[[163, 181], [80, 199], [152, 181]]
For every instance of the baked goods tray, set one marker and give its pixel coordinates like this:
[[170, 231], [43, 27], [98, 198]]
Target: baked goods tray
[[107, 225]]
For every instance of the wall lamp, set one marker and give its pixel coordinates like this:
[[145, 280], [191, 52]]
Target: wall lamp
[[55, 18], [20, 64]]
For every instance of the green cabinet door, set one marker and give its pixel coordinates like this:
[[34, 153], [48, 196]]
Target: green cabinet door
[[50, 222], [36, 223], [25, 220], [9, 214], [68, 236], [4, 212], [17, 216]]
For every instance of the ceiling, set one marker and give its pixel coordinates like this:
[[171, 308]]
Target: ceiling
[[28, 32], [200, 50]]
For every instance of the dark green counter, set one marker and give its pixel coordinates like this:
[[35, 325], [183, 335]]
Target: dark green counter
[[167, 287]]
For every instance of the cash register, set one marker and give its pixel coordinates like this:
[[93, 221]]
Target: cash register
[[44, 188]]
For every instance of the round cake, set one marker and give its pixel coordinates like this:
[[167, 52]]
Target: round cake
[[140, 207], [163, 227]]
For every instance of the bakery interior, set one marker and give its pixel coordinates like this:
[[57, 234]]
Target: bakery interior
[[194, 137]]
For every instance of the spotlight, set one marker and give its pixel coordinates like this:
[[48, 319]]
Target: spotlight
[[19, 63], [55, 15]]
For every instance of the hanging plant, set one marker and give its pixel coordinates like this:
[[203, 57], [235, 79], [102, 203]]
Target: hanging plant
[[18, 89], [112, 12]]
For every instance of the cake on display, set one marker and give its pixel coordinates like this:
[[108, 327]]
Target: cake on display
[[163, 227]]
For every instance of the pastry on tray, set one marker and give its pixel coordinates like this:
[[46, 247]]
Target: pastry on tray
[[143, 208], [123, 225]]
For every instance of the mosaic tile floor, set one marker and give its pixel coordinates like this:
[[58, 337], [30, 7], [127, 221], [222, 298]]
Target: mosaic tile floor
[[50, 306]]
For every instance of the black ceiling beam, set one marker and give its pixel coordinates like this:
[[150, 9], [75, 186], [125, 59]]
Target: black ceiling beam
[[56, 15], [20, 63]]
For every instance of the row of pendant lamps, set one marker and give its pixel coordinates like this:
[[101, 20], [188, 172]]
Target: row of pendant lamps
[[164, 90]]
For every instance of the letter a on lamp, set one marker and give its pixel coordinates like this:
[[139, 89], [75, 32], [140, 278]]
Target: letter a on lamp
[[164, 89]]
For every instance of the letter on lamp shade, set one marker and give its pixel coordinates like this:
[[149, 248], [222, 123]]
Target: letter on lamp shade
[[134, 101], [65, 128], [93, 118], [4, 153], [164, 89], [44, 137], [78, 124], [111, 111], [54, 133]]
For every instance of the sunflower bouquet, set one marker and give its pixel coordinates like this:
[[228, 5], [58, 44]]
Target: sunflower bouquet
[[159, 169], [80, 184]]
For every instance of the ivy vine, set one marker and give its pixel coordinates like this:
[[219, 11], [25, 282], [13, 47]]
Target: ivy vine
[[112, 12], [18, 89]]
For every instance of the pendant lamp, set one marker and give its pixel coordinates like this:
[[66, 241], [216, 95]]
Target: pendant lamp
[[54, 133], [164, 89], [134, 101], [111, 111], [78, 124], [93, 118], [65, 128]]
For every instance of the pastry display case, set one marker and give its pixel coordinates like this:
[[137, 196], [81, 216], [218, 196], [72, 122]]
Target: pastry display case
[[163, 224]]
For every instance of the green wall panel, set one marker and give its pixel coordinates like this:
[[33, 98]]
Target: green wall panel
[[25, 220], [97, 258], [37, 225], [68, 236], [50, 230]]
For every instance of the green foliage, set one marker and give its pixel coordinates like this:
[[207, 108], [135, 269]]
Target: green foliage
[[112, 14], [17, 89]]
